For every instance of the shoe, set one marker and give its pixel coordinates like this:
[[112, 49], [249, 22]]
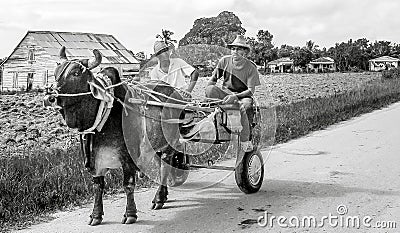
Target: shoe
[[247, 146]]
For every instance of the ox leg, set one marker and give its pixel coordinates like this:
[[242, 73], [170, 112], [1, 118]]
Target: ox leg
[[130, 215], [161, 195], [97, 214]]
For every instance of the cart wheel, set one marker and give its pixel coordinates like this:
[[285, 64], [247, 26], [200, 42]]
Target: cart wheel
[[179, 170], [249, 173]]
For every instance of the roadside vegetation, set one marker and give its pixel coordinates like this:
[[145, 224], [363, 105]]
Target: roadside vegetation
[[42, 169]]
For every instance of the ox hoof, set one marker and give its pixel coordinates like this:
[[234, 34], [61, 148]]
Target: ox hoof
[[129, 220], [95, 221], [157, 206]]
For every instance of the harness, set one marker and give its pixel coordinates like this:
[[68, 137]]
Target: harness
[[101, 88], [99, 91]]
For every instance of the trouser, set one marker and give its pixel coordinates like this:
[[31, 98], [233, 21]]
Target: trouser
[[246, 109]]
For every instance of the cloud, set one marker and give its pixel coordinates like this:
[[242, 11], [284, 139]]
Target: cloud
[[135, 23], [326, 22]]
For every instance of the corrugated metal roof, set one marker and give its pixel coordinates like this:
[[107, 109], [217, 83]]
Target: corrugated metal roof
[[384, 59], [281, 61], [323, 60], [80, 45]]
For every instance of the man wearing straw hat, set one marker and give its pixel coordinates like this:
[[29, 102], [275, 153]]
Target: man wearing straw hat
[[240, 77], [173, 71]]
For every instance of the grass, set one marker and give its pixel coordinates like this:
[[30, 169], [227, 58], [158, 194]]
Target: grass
[[300, 118], [41, 180]]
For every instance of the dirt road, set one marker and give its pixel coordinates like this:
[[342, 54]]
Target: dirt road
[[348, 171]]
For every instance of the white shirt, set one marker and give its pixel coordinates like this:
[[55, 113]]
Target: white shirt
[[177, 71]]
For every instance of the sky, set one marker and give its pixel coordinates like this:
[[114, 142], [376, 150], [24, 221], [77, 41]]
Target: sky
[[136, 23]]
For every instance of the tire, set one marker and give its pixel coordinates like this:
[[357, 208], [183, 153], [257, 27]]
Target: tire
[[249, 173], [179, 170]]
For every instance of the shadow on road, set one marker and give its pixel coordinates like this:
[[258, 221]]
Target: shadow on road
[[223, 207]]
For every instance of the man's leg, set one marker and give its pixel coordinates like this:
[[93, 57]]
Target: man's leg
[[215, 92], [246, 113]]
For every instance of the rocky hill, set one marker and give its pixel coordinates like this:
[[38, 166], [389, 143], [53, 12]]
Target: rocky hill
[[215, 30]]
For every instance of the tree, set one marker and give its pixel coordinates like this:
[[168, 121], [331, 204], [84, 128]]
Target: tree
[[311, 46], [264, 48], [352, 55], [380, 48], [253, 55], [341, 56], [166, 36], [301, 56], [395, 51], [285, 51], [359, 54]]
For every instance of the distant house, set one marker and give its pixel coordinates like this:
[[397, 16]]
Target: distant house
[[383, 63], [281, 65], [322, 64], [32, 63]]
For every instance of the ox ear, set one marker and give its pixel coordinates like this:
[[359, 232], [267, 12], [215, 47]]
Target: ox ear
[[63, 55], [97, 59]]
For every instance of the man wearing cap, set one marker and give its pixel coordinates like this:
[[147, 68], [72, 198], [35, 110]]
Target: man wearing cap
[[239, 79], [172, 70]]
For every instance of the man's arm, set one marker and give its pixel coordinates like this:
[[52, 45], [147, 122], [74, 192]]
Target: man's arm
[[249, 92], [193, 80], [234, 97], [214, 77]]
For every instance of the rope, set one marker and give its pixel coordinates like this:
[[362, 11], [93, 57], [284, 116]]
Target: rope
[[147, 89], [72, 95], [140, 88]]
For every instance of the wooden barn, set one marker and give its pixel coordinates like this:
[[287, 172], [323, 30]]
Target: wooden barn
[[32, 63]]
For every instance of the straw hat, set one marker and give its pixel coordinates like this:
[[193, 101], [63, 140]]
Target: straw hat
[[161, 46], [240, 41]]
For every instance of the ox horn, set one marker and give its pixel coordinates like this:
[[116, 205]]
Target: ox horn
[[63, 55], [97, 59]]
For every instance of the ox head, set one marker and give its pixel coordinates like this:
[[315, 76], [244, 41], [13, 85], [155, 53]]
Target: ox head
[[72, 78]]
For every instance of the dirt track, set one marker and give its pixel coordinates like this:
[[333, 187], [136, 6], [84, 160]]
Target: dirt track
[[355, 163]]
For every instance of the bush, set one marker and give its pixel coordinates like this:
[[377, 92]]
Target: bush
[[391, 74], [355, 69]]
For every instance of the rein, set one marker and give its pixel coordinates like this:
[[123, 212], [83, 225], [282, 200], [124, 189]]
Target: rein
[[134, 87]]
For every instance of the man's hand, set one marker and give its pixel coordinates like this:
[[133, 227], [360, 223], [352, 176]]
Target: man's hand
[[186, 95], [230, 99]]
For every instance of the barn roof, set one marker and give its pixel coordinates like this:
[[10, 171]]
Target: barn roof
[[384, 59], [80, 45], [323, 60]]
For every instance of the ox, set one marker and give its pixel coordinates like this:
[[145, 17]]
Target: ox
[[122, 132]]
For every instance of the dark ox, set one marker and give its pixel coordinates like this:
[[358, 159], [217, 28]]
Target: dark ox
[[80, 111]]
